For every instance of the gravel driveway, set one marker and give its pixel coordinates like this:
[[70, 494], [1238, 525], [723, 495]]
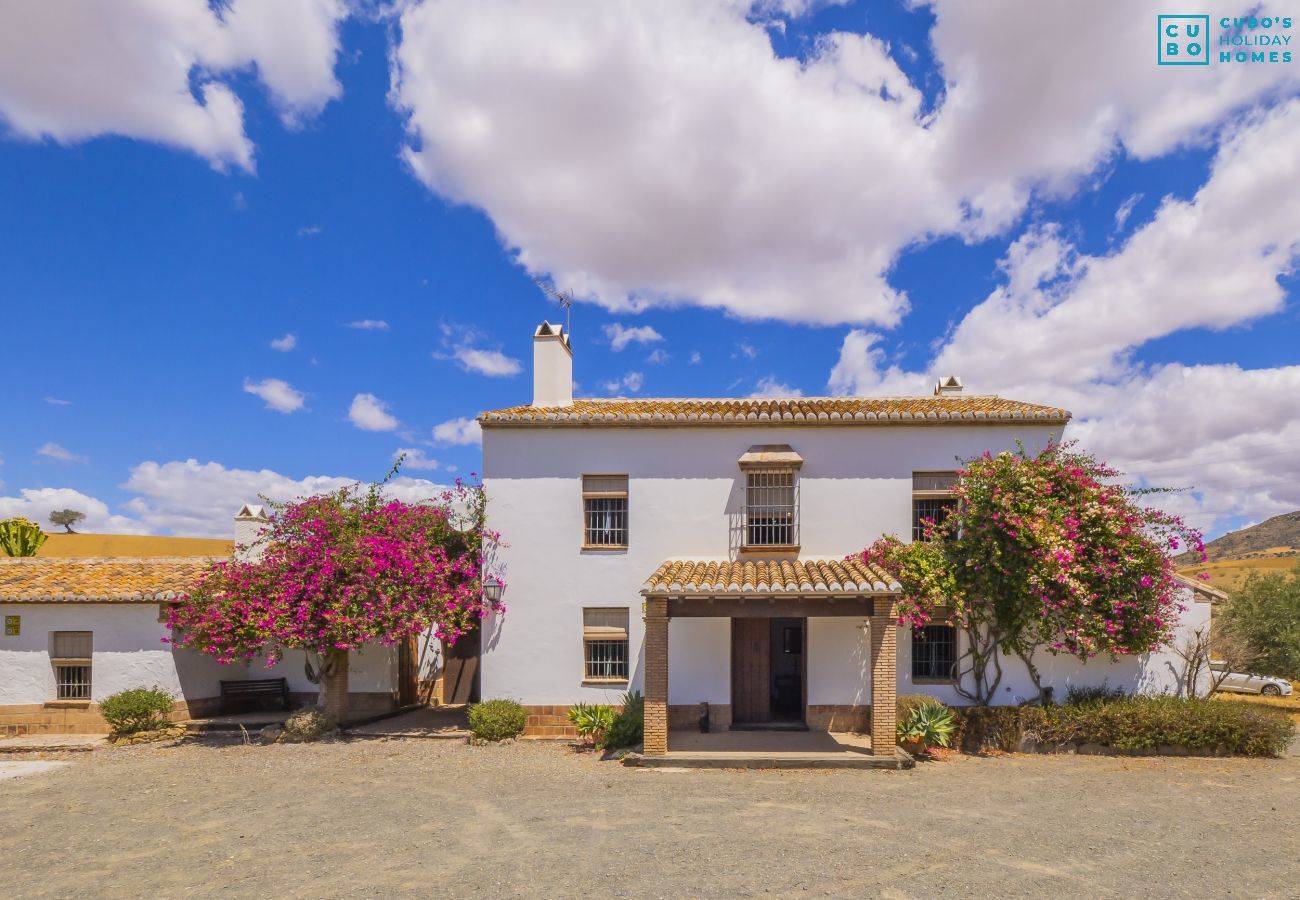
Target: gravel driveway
[[420, 817]]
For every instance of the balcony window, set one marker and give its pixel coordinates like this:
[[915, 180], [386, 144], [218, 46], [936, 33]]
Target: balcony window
[[771, 508]]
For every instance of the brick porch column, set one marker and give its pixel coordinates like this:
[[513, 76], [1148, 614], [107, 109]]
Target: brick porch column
[[884, 680], [656, 676]]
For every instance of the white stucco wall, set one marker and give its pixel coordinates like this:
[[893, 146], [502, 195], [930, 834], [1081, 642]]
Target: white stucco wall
[[128, 652], [370, 669], [839, 661], [699, 661], [1152, 673], [685, 497]]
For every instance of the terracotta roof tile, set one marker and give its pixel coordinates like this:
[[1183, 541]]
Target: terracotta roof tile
[[89, 580], [770, 576], [952, 409]]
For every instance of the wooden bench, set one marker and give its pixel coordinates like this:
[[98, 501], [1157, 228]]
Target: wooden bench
[[255, 689]]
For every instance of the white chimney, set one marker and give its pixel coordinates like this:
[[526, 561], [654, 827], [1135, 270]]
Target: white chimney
[[552, 366], [249, 523], [948, 384]]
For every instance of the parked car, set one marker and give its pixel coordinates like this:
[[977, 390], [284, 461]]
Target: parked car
[[1249, 682]]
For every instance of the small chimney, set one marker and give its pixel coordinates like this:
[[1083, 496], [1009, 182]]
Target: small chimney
[[552, 366], [249, 522], [947, 385]]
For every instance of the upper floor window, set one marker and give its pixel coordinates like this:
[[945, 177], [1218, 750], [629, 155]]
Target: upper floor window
[[932, 500], [70, 654], [604, 510]]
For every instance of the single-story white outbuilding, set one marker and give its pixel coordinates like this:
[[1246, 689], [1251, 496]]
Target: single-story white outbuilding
[[77, 630]]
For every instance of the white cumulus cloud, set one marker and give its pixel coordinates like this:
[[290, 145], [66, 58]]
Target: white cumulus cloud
[[770, 186], [161, 71], [278, 395], [285, 344], [415, 458], [369, 413], [192, 498], [1065, 325], [770, 386], [463, 430], [36, 504], [620, 335]]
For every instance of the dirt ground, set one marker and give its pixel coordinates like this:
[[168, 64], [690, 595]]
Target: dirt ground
[[377, 818]]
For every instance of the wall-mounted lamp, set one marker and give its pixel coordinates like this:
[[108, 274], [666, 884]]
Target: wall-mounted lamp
[[492, 590]]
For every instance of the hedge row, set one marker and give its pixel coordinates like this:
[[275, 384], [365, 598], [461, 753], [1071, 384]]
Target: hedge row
[[1149, 723], [1129, 724]]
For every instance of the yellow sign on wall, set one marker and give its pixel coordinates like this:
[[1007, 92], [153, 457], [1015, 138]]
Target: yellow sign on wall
[[13, 626]]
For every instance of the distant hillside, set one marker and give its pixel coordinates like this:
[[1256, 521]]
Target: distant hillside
[[1271, 546], [133, 545], [1279, 536]]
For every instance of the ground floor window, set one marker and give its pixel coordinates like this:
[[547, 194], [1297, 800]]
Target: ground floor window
[[605, 643], [934, 653], [70, 653]]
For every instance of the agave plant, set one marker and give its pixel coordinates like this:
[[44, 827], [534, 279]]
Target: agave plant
[[930, 725], [21, 537], [592, 720]]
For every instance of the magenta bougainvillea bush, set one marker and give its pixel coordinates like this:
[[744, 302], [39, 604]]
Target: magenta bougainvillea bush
[[1043, 551], [339, 571]]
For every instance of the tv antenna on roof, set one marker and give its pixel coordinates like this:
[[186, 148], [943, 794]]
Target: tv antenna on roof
[[560, 297]]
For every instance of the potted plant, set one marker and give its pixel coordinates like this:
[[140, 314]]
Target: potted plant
[[925, 726]]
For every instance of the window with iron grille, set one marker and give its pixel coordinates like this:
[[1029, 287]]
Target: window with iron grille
[[771, 508], [934, 652], [605, 644], [70, 653], [604, 509], [932, 500]]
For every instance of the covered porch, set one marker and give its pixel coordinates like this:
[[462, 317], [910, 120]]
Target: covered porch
[[770, 606]]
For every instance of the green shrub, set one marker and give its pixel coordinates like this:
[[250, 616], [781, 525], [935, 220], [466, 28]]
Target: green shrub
[[497, 720], [629, 725], [930, 724], [1147, 723], [906, 704], [592, 720], [1079, 696], [136, 710], [981, 728]]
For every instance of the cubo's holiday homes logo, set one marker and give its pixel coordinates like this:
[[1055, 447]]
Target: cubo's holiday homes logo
[[1183, 40], [1186, 40]]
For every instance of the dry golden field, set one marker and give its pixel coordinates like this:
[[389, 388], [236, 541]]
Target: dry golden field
[[1230, 574], [1289, 705], [132, 545]]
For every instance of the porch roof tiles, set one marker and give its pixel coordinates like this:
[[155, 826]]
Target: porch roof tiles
[[769, 576], [98, 580]]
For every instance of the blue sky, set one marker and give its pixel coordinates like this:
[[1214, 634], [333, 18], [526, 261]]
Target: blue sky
[[815, 198]]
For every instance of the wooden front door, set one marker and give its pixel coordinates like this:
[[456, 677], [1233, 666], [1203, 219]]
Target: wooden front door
[[751, 678], [460, 668]]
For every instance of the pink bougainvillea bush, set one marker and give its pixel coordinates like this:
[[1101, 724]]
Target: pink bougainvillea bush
[[1043, 551], [335, 572]]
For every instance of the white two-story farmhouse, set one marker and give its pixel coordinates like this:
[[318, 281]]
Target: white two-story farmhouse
[[695, 549]]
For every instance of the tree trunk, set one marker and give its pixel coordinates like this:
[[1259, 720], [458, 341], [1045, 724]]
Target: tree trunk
[[334, 686]]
